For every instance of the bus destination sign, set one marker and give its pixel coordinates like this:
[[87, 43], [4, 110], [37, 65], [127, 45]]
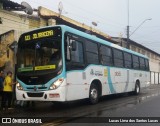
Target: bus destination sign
[[38, 35]]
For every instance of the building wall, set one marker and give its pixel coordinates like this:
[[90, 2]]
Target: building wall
[[19, 24], [6, 53], [36, 22], [154, 65], [13, 21]]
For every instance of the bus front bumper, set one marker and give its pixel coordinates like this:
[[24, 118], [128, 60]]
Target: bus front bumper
[[49, 95]]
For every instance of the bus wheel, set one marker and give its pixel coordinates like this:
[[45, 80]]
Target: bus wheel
[[93, 94], [137, 88]]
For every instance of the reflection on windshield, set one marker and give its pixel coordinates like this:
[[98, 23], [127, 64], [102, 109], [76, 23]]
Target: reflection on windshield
[[43, 54]]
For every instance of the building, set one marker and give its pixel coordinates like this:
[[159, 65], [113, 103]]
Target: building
[[12, 25]]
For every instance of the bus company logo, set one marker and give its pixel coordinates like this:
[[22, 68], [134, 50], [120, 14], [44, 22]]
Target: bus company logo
[[117, 73], [6, 120], [35, 88], [98, 73]]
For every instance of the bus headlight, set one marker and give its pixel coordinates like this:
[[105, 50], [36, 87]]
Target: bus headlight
[[19, 87], [56, 84]]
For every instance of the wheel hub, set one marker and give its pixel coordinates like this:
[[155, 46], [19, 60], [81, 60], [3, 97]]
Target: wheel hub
[[137, 89], [94, 93]]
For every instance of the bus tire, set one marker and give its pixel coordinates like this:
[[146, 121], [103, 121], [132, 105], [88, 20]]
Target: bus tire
[[93, 94], [137, 88]]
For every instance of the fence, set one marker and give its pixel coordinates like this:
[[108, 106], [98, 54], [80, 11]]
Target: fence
[[155, 77]]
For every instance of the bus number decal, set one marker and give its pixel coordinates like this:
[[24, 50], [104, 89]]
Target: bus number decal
[[27, 37], [117, 73]]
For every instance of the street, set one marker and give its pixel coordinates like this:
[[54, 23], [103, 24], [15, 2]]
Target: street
[[144, 105]]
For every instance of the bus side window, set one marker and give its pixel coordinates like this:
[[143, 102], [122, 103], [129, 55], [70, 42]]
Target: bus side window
[[74, 50], [68, 48], [91, 52], [142, 63], [106, 55], [77, 52], [118, 58], [127, 60], [147, 64], [136, 63]]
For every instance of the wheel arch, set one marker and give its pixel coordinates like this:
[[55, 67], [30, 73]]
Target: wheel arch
[[138, 82], [137, 87]]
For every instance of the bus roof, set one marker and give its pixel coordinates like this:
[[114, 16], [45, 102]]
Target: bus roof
[[91, 37]]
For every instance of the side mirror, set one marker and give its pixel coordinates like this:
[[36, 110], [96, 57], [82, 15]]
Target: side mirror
[[74, 45]]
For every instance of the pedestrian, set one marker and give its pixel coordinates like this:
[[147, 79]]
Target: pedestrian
[[7, 91], [1, 82]]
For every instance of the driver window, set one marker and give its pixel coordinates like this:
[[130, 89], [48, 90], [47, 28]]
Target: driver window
[[77, 55]]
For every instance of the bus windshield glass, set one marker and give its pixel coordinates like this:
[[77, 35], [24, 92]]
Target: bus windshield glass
[[41, 54]]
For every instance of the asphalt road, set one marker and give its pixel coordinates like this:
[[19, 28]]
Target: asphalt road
[[147, 104]]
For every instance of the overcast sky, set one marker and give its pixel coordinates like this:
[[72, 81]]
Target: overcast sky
[[112, 17]]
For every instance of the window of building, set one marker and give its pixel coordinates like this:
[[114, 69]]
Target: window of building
[[152, 56], [148, 54], [139, 50], [133, 48], [156, 57], [143, 52], [124, 44]]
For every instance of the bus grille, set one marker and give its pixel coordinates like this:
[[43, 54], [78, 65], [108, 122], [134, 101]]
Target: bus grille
[[35, 94], [41, 88]]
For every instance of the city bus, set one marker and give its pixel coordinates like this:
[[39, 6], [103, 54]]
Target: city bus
[[60, 63]]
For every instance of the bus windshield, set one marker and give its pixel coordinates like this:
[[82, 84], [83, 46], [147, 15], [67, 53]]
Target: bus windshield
[[39, 55]]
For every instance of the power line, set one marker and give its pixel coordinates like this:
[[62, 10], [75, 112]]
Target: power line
[[90, 12]]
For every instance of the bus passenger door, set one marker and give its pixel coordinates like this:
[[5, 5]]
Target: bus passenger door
[[74, 67]]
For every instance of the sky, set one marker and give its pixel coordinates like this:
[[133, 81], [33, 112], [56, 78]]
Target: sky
[[113, 16]]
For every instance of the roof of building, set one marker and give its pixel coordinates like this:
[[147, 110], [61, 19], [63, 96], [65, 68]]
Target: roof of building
[[1, 35], [138, 45]]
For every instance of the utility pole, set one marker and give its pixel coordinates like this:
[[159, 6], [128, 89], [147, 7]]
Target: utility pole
[[128, 35], [128, 45]]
